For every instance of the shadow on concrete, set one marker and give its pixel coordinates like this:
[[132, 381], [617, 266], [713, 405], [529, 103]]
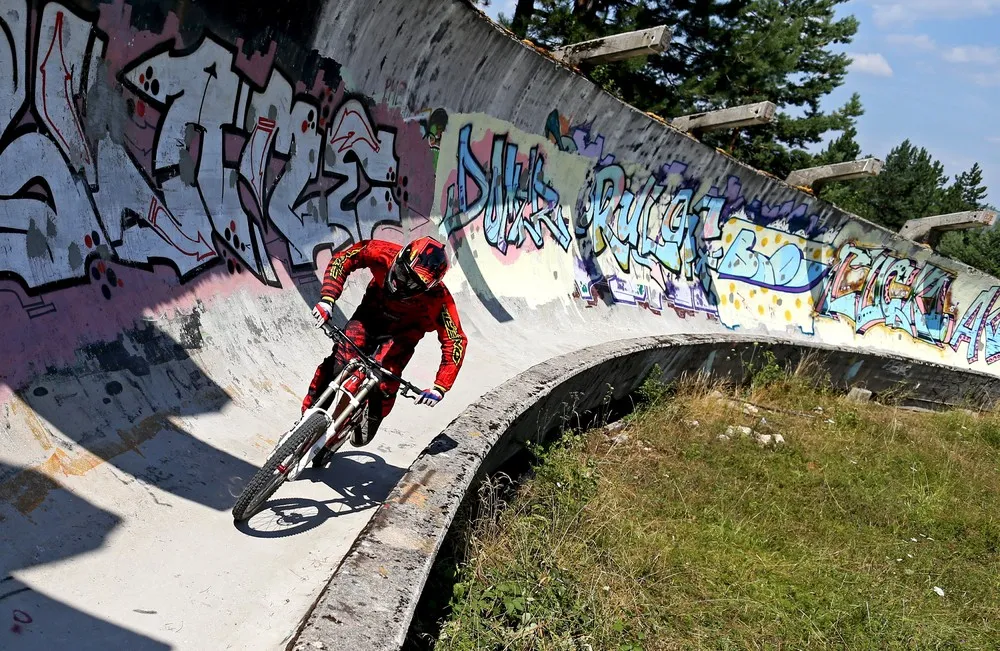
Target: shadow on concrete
[[466, 259], [124, 402], [361, 479], [62, 527]]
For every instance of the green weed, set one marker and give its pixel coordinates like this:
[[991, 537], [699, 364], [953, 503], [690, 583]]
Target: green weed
[[843, 537]]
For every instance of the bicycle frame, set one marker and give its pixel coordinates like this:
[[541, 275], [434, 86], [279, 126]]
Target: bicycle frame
[[336, 399]]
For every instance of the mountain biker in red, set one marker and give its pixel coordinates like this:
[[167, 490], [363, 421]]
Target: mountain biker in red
[[404, 300]]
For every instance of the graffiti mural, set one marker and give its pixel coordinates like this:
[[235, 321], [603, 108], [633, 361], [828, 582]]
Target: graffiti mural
[[508, 192], [649, 224], [979, 328], [180, 154], [876, 287], [620, 289], [432, 124], [689, 240], [576, 139], [794, 265]]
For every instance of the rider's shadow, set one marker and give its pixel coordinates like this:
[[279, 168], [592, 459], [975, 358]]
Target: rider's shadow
[[362, 481]]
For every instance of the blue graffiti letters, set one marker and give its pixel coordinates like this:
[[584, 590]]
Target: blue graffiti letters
[[787, 269], [510, 203], [651, 226]]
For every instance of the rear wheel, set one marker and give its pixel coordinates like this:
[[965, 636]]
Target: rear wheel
[[272, 475]]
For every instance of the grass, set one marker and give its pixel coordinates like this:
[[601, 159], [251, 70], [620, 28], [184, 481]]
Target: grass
[[675, 539]]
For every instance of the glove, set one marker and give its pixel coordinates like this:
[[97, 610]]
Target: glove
[[430, 397], [322, 313]]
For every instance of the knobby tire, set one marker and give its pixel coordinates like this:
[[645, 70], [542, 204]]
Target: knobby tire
[[262, 485]]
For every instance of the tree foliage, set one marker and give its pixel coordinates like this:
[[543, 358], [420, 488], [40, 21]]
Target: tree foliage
[[723, 53], [912, 184]]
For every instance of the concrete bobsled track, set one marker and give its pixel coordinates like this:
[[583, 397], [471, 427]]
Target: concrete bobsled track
[[173, 180]]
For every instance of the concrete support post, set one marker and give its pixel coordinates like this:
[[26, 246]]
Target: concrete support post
[[930, 229], [729, 118], [615, 48], [814, 176]]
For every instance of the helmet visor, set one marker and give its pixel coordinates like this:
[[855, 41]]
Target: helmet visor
[[404, 281]]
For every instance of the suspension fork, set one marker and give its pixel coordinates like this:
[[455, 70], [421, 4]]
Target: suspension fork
[[336, 393], [342, 405]]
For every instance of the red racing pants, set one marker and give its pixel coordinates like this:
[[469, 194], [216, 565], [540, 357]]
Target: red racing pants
[[391, 354]]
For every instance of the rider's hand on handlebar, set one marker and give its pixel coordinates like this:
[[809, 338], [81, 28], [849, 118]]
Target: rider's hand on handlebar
[[429, 397], [322, 313]]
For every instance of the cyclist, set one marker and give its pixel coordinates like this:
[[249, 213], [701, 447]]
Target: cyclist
[[404, 300]]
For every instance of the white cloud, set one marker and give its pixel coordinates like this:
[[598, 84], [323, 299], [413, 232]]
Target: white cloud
[[907, 12], [986, 79], [912, 41], [993, 140], [890, 15], [870, 64], [973, 54]]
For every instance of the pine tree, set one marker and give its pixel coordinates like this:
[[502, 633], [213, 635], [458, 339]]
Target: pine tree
[[976, 248], [971, 188], [911, 185], [722, 53]]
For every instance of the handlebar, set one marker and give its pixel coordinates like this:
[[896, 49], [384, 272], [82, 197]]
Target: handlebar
[[336, 333]]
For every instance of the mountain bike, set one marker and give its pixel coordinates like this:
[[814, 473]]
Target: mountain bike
[[322, 429]]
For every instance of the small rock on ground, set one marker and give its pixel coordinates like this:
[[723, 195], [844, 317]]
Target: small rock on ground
[[857, 394]]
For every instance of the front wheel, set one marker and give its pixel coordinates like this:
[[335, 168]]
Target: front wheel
[[272, 475]]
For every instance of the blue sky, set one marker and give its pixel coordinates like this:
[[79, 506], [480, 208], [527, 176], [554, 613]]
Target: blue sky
[[926, 70]]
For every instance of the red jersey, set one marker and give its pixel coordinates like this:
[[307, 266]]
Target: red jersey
[[408, 319]]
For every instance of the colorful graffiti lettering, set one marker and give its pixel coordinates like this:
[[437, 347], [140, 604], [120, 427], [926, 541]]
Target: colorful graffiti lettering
[[510, 200], [979, 327], [688, 240], [875, 287], [792, 267], [622, 290], [189, 161], [651, 226]]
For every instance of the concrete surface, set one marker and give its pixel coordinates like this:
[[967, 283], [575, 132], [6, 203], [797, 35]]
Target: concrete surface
[[617, 47], [845, 171], [174, 179], [727, 118]]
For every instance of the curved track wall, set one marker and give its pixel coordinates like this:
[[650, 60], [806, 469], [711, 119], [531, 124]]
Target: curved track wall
[[174, 178], [371, 599]]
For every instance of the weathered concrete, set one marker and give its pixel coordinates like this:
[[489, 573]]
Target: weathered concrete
[[370, 601], [166, 211], [617, 47], [926, 228], [847, 171], [734, 117]]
